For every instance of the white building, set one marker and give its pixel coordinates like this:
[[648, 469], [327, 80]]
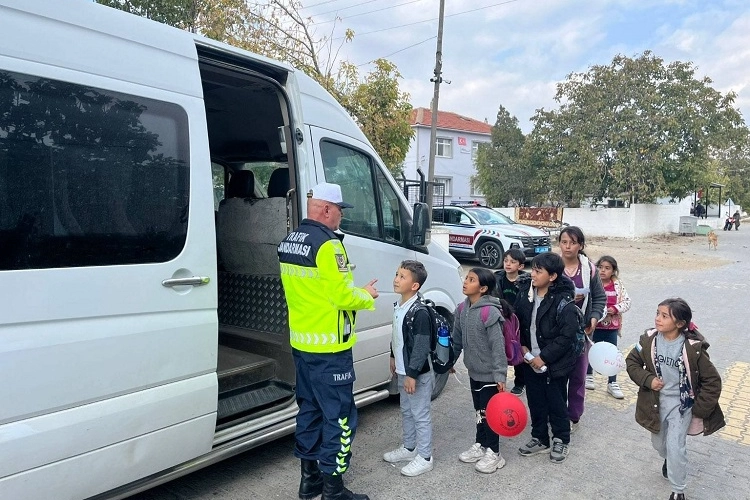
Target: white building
[[458, 138]]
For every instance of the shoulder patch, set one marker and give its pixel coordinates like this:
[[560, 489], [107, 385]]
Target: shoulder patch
[[341, 262]]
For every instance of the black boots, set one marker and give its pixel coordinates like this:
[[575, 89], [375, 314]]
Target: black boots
[[311, 484], [333, 489]]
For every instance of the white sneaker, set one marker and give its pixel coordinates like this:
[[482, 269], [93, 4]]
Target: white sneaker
[[613, 388], [473, 454], [418, 466], [590, 385], [400, 454], [490, 462]]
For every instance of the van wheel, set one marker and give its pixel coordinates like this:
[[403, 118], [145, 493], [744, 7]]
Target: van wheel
[[491, 255], [440, 381]]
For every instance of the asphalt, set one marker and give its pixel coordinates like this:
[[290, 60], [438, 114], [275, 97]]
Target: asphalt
[[610, 455]]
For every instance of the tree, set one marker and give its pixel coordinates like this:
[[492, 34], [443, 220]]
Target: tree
[[502, 174], [276, 29], [637, 128]]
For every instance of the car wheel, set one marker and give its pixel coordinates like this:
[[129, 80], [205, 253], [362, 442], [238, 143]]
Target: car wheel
[[491, 255], [440, 381]]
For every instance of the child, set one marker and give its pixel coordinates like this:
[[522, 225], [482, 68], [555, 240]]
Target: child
[[547, 339], [507, 288], [410, 348], [608, 329], [478, 331], [678, 388]]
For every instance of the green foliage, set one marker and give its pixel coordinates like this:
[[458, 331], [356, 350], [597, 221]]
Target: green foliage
[[636, 128], [502, 174]]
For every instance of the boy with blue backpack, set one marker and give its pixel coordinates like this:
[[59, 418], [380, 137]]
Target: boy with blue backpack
[[411, 345]]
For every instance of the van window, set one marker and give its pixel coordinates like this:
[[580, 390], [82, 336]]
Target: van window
[[89, 177]]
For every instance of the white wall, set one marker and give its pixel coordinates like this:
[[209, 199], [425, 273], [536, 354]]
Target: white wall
[[637, 221]]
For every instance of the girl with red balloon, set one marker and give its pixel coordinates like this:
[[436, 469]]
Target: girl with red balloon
[[478, 331], [549, 323]]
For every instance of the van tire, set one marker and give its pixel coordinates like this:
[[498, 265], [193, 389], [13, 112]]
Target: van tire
[[490, 254], [440, 381]]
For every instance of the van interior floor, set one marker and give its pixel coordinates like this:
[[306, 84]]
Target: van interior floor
[[247, 384]]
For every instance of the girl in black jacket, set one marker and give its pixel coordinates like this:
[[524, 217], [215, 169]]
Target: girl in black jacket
[[548, 335]]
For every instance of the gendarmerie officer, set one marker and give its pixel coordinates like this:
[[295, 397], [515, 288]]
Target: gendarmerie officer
[[322, 302]]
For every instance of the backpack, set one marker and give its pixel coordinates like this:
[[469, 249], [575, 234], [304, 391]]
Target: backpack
[[439, 327], [511, 334], [580, 343]]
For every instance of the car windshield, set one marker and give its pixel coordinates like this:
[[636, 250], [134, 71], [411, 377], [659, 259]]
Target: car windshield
[[489, 216]]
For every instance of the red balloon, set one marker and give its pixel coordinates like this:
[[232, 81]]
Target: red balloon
[[506, 414]]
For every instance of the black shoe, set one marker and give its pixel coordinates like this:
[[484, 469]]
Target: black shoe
[[677, 496], [517, 390], [664, 469], [333, 489], [311, 484]]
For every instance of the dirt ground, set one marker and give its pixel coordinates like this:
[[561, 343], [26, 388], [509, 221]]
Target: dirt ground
[[665, 252]]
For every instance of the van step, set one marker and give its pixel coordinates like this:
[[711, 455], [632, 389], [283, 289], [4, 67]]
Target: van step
[[242, 402], [238, 369]]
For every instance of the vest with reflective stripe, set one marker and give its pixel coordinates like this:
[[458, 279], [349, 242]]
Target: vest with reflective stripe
[[319, 289]]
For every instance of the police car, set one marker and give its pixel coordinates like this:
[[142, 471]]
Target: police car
[[484, 234]]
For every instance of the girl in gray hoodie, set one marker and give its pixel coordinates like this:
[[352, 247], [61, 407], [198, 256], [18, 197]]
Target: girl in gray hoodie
[[478, 331]]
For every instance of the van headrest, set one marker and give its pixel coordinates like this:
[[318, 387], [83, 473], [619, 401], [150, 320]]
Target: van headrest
[[241, 184], [278, 184]]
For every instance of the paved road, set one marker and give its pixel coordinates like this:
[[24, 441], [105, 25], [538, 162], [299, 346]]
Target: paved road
[[610, 457]]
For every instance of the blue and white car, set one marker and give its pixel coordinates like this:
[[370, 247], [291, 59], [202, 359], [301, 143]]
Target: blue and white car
[[481, 233]]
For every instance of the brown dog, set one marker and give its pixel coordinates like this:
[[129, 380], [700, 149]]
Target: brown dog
[[713, 240]]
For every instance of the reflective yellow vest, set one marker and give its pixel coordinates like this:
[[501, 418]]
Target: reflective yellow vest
[[319, 289]]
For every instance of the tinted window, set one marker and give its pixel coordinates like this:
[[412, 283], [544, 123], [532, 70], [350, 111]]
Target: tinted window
[[89, 177]]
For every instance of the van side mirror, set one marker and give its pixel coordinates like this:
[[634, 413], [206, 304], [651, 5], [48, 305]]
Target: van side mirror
[[420, 224]]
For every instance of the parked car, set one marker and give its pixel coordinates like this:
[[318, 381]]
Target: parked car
[[484, 234]]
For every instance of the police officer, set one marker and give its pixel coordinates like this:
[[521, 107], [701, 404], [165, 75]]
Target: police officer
[[322, 302]]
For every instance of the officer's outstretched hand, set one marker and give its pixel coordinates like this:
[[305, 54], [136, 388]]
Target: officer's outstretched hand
[[370, 287]]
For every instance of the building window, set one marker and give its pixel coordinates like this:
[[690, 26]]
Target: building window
[[475, 191], [444, 147], [443, 186], [475, 148]]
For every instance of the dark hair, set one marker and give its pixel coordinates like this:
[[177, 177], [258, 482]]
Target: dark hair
[[550, 262], [574, 233], [680, 311], [515, 254], [417, 270], [507, 308], [485, 277], [611, 261]]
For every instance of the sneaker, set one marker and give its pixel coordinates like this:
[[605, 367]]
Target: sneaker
[[490, 462], [559, 451], [400, 454], [664, 469], [473, 454], [613, 388], [418, 466], [590, 385], [677, 496], [573, 426], [533, 447], [518, 390]]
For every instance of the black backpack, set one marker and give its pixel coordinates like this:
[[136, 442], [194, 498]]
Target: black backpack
[[439, 326], [580, 343]]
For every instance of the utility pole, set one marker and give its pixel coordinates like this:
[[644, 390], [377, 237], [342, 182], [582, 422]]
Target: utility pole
[[437, 79]]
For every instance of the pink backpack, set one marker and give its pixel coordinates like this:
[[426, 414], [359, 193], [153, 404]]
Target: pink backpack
[[511, 334]]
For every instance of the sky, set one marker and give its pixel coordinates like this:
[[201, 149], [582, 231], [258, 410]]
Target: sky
[[514, 52]]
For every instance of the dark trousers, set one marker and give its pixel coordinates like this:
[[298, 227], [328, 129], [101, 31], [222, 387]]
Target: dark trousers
[[481, 393], [601, 335], [519, 380], [327, 418], [548, 405]]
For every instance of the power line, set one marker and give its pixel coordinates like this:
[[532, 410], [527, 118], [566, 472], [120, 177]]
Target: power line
[[432, 19], [319, 3], [368, 12], [400, 50], [345, 8]]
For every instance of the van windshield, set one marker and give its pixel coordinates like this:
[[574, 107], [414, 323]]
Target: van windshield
[[489, 216]]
